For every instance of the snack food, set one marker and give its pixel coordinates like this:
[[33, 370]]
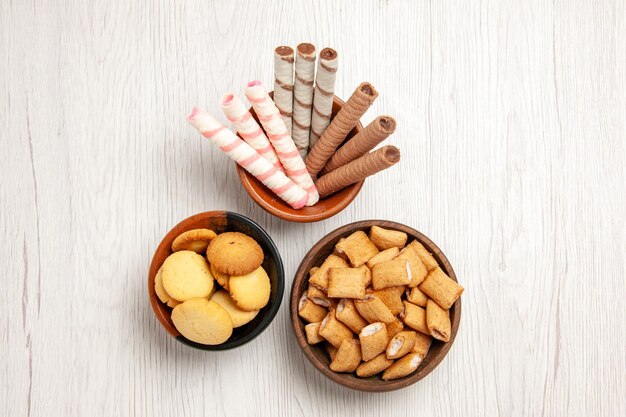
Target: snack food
[[249, 159], [201, 312], [358, 248], [186, 275], [196, 240], [373, 339], [283, 83], [376, 305], [202, 321], [357, 170], [340, 126], [346, 282], [438, 321], [276, 131], [234, 253], [248, 128], [324, 91], [402, 367], [348, 356], [238, 316], [363, 142], [441, 288], [303, 96]]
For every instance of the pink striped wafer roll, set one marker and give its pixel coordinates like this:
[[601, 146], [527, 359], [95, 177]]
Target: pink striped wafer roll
[[248, 158], [248, 128], [277, 133]]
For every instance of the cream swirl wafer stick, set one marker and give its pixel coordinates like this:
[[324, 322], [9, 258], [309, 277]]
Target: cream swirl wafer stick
[[324, 91], [248, 128], [362, 143], [303, 97], [283, 83], [269, 116], [358, 170], [341, 125], [248, 158]]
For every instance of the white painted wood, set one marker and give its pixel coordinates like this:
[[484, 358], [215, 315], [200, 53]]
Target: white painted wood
[[512, 126]]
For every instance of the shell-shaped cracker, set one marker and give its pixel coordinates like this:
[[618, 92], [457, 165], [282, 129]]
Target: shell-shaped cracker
[[202, 321], [196, 240], [237, 315], [251, 291], [186, 275]]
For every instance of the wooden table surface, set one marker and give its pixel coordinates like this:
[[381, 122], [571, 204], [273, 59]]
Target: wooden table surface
[[512, 125]]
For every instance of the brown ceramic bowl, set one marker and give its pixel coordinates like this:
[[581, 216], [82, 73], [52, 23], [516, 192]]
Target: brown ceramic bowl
[[317, 355], [222, 221], [323, 209]]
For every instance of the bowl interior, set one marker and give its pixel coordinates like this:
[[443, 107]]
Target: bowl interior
[[222, 221], [317, 354], [323, 209]]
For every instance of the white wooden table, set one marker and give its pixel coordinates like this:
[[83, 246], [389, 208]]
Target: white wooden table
[[512, 125]]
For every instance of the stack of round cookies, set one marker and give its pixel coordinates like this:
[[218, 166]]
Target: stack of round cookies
[[202, 312]]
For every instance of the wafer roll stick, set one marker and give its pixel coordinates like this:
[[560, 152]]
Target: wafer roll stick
[[324, 91], [341, 125], [303, 96], [374, 366], [283, 83], [249, 159], [366, 140], [277, 133], [248, 128], [358, 170]]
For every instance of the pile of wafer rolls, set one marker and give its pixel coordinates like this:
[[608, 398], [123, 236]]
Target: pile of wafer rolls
[[297, 149], [376, 304]]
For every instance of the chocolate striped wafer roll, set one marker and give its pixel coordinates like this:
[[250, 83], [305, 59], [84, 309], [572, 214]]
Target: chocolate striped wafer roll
[[283, 83], [362, 143], [303, 97], [324, 91], [358, 170], [341, 125]]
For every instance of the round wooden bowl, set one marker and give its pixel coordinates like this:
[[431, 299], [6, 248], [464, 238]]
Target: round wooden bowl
[[222, 221], [317, 354], [323, 209]]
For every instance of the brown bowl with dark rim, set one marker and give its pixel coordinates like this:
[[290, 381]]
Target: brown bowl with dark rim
[[317, 355], [219, 222], [323, 209]]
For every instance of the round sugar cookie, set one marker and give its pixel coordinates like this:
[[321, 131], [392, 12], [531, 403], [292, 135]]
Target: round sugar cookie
[[186, 275], [234, 253], [158, 287], [196, 240], [237, 315], [220, 277], [251, 291], [202, 321]]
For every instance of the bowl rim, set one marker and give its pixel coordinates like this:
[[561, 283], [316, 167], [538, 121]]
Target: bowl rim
[[302, 272], [353, 190], [179, 228]]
